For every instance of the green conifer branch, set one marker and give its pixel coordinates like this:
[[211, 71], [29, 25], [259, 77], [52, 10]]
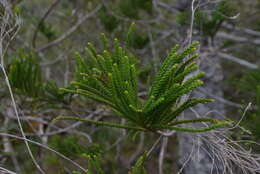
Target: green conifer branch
[[194, 130], [111, 79], [196, 120], [100, 123]]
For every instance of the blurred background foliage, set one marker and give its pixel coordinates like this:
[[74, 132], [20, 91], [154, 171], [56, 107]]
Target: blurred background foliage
[[41, 60]]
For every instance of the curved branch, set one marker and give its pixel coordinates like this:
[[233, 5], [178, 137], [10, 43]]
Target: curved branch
[[238, 60], [195, 130], [100, 123], [53, 5], [235, 38], [196, 120], [45, 147], [70, 31]]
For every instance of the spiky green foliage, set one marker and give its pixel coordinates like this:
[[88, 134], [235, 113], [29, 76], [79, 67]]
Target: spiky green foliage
[[25, 74], [68, 145], [138, 167], [110, 78], [94, 160], [209, 22], [94, 165], [52, 95], [211, 25]]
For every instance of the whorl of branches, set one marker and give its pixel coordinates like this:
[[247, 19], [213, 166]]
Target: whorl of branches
[[111, 79]]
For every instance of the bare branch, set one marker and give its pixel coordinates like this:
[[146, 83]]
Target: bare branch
[[52, 6], [243, 30], [6, 171], [9, 24], [235, 38], [238, 60], [222, 100], [8, 148], [45, 147], [71, 30], [162, 153]]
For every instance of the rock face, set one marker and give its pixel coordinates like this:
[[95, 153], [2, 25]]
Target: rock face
[[190, 146]]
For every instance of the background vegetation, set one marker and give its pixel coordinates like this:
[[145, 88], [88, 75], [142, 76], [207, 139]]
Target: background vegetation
[[51, 66]]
